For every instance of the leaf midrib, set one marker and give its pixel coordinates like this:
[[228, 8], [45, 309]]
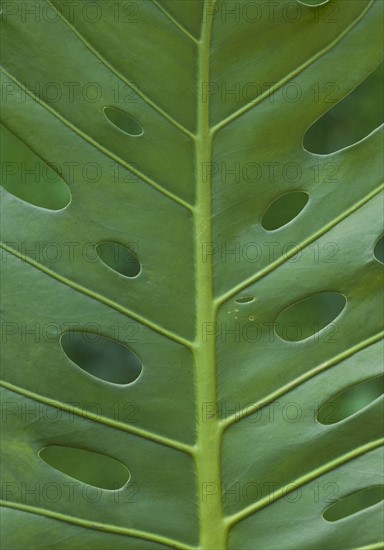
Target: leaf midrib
[[213, 530]]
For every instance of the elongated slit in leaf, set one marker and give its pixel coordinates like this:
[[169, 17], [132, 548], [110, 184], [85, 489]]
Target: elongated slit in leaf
[[284, 209], [350, 401], [349, 120], [101, 357], [89, 467], [353, 503], [125, 122], [29, 177], [309, 315], [119, 258]]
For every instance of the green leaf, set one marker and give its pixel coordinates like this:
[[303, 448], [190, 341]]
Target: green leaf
[[226, 276]]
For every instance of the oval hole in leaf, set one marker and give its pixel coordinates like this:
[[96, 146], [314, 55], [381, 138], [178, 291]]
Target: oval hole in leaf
[[354, 503], [379, 250], [284, 209], [308, 316], [88, 467], [123, 121], [350, 120], [28, 177], [350, 401], [101, 357], [119, 258], [245, 299]]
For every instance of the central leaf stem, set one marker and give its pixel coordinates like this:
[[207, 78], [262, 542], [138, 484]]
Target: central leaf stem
[[208, 465]]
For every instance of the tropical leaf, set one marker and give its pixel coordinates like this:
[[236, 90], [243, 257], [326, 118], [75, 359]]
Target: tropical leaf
[[180, 328]]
